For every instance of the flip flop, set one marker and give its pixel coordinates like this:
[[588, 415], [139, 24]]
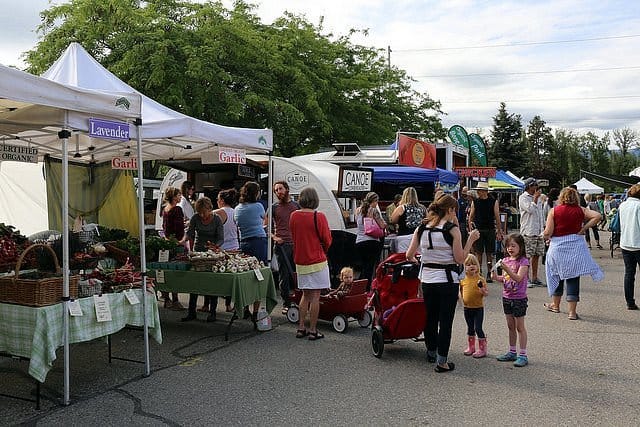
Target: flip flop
[[573, 317], [551, 308], [301, 333], [315, 336], [439, 369]]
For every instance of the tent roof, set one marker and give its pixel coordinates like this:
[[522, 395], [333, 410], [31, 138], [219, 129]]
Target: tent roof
[[33, 110], [586, 186], [509, 178], [404, 174], [84, 86], [498, 184]]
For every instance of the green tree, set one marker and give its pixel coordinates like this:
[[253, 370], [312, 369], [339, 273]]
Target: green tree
[[507, 150], [224, 66], [623, 161], [569, 157]]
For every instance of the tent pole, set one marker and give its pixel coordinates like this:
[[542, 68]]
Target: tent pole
[[269, 204], [143, 252], [64, 136]]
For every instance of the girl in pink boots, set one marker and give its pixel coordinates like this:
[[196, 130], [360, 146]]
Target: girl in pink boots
[[473, 289]]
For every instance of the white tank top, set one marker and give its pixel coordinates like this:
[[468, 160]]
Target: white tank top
[[230, 231]]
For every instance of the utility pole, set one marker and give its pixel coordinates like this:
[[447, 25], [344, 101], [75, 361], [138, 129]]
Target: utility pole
[[389, 57]]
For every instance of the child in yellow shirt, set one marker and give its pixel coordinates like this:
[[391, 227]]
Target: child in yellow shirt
[[473, 289]]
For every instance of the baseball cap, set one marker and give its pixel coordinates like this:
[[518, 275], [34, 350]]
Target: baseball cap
[[529, 182]]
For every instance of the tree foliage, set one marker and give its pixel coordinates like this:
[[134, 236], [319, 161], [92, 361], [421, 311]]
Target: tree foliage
[[224, 66], [506, 150]]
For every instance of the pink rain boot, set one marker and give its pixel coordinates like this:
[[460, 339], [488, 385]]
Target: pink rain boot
[[482, 348], [471, 346]]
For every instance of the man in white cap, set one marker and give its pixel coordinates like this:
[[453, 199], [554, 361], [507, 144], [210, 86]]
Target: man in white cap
[[484, 215], [531, 227]]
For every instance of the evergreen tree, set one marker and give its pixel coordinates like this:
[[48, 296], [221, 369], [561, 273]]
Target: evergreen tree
[[507, 150]]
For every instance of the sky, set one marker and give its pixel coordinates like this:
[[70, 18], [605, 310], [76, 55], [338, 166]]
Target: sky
[[574, 63]]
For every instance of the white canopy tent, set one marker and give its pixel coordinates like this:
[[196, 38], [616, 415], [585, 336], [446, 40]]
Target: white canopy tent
[[587, 187], [37, 114], [167, 134], [49, 113], [635, 172]]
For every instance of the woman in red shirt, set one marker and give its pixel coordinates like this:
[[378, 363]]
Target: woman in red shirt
[[173, 226], [311, 241]]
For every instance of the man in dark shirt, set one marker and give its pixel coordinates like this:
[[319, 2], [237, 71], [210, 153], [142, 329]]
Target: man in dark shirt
[[283, 242], [484, 215]]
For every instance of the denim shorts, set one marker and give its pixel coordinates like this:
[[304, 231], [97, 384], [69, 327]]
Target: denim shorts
[[515, 307]]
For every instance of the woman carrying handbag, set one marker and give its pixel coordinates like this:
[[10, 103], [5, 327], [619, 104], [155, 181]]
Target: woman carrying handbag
[[369, 246]]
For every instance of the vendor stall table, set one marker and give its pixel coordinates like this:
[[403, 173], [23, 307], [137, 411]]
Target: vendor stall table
[[244, 288], [36, 332]]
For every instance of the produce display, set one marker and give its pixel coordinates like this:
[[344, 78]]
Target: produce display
[[219, 261], [12, 244]]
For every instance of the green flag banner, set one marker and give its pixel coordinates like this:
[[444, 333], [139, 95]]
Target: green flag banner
[[459, 136], [478, 149]]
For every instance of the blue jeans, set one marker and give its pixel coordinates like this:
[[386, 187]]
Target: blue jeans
[[573, 289], [255, 246], [474, 318], [631, 262], [286, 268], [440, 300]]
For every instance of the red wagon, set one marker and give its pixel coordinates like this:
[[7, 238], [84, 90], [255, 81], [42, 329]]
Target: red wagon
[[398, 313], [338, 310]]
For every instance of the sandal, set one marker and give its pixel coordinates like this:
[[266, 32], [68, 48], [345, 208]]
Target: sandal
[[551, 308], [301, 333], [599, 246], [440, 369], [573, 317], [315, 336]]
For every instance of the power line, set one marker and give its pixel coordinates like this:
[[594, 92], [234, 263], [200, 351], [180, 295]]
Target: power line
[[518, 44], [577, 70], [590, 98]]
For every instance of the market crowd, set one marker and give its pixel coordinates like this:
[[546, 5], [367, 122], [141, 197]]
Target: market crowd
[[467, 229]]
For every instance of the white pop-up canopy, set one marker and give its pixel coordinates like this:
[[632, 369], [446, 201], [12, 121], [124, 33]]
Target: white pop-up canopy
[[39, 117], [587, 187], [173, 135]]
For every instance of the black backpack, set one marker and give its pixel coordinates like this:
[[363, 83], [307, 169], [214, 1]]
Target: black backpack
[[446, 234]]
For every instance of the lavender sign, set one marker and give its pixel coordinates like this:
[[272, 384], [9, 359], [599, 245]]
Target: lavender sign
[[108, 129]]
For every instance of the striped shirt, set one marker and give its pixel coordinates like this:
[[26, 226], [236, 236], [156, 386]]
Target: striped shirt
[[569, 257]]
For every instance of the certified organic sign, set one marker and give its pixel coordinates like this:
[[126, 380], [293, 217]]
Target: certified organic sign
[[354, 181], [108, 129], [16, 153], [125, 163]]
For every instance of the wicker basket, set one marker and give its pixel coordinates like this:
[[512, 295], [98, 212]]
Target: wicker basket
[[43, 289]]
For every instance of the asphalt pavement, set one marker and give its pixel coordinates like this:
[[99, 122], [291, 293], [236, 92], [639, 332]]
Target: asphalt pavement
[[583, 372]]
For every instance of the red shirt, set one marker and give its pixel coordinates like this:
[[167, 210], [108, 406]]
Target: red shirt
[[306, 241], [567, 219], [173, 222], [281, 214]]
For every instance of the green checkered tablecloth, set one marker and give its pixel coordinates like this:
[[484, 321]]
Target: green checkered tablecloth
[[36, 332], [243, 288]]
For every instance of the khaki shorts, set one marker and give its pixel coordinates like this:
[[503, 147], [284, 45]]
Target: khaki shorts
[[534, 245]]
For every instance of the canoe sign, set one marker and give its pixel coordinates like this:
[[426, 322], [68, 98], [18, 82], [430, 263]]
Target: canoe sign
[[297, 180], [354, 182]]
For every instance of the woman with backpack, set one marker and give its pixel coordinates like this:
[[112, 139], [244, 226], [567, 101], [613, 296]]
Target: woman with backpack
[[440, 244]]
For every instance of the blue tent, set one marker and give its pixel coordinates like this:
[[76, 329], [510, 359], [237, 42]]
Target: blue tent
[[407, 174], [504, 177]]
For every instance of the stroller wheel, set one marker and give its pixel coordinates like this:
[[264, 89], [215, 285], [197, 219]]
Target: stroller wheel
[[366, 319], [293, 315], [340, 323], [377, 342]]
